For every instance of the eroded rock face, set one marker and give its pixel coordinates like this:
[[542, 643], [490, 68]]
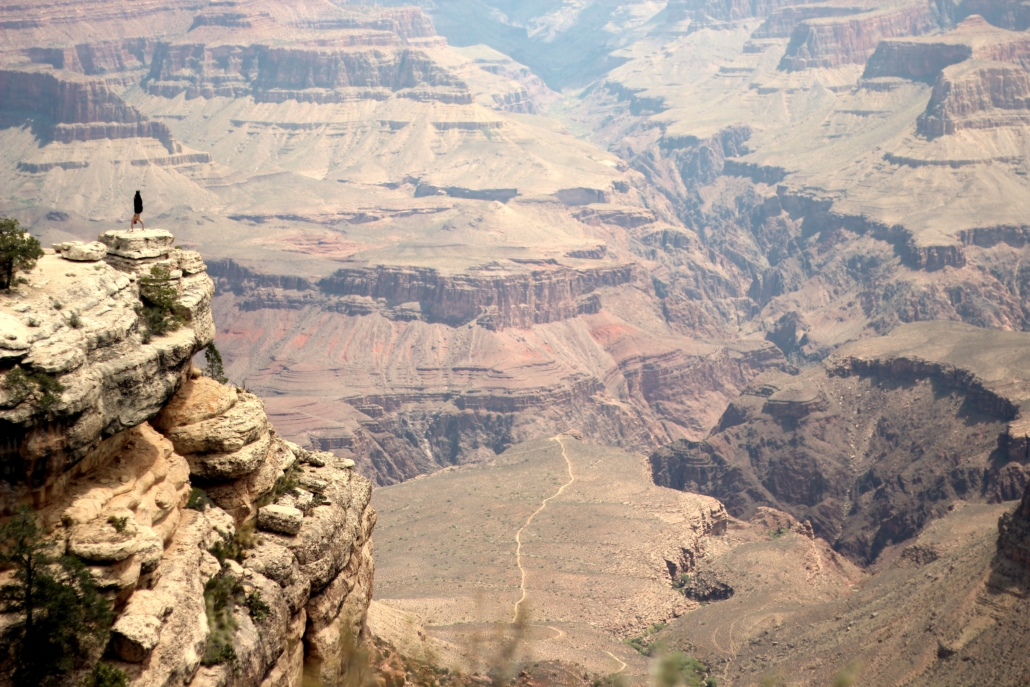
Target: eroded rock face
[[977, 95], [77, 324], [1014, 532], [836, 41], [114, 490]]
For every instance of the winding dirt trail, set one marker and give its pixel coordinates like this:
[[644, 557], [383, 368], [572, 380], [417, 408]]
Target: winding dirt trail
[[621, 663], [518, 535]]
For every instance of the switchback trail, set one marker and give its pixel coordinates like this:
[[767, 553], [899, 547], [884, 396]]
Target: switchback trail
[[518, 535]]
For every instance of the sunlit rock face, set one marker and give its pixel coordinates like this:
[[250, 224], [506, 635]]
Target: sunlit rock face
[[141, 467]]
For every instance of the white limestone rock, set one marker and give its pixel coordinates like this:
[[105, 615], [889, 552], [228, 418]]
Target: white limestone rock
[[280, 519], [137, 245], [133, 637], [85, 252]]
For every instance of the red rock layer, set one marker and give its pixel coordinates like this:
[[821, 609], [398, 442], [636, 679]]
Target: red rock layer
[[977, 95], [836, 41]]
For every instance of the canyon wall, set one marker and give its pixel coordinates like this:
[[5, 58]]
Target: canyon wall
[[157, 477], [831, 42], [873, 444], [273, 74], [977, 94]]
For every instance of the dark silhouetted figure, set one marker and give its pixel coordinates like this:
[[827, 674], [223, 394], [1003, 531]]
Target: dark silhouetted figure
[[137, 206]]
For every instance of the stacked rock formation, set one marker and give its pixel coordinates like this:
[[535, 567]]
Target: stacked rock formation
[[145, 470]]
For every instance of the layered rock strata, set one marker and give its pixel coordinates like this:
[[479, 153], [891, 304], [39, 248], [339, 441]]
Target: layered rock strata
[[147, 509], [977, 95], [830, 42]]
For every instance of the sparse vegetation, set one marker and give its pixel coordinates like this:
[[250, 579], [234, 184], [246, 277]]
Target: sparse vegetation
[[779, 532], [644, 644], [19, 250], [234, 548], [160, 297], [40, 388], [199, 500], [65, 620], [848, 675], [222, 593], [118, 523], [105, 675], [286, 484], [259, 610], [75, 322]]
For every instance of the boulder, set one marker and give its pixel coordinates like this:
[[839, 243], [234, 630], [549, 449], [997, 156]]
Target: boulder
[[280, 519], [107, 541], [197, 400], [273, 561], [85, 252], [133, 637]]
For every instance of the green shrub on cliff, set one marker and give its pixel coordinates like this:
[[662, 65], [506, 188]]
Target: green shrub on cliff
[[105, 675], [43, 390], [63, 619], [221, 595], [160, 296], [19, 250]]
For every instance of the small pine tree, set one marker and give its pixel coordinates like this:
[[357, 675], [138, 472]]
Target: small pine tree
[[19, 250], [214, 369], [64, 620], [160, 297]]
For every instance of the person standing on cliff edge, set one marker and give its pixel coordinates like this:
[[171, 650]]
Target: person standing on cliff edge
[[137, 206]]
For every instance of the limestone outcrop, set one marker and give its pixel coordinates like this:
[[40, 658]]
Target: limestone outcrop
[[81, 365], [168, 484]]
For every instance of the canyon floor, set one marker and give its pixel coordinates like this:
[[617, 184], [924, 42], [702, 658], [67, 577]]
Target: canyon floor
[[579, 538]]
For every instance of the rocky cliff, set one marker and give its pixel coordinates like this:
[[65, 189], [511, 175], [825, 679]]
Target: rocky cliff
[[833, 41], [867, 446], [169, 484], [71, 107], [977, 94], [369, 62]]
